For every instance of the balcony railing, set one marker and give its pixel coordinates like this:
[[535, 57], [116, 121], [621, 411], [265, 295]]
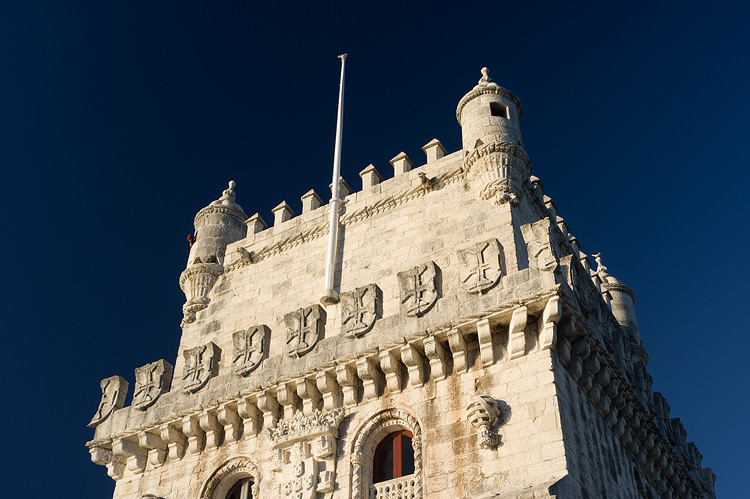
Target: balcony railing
[[398, 488]]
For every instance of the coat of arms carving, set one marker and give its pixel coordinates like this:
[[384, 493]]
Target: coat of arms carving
[[483, 266], [249, 349], [304, 328], [151, 381], [419, 288], [114, 390], [201, 364], [360, 309], [305, 452]]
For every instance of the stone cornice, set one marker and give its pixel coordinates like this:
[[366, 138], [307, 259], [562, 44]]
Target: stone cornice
[[206, 405], [487, 90]]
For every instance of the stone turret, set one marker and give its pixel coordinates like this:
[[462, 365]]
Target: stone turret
[[620, 298], [493, 150], [216, 226]]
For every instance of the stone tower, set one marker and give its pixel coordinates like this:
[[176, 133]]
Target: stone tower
[[474, 352]]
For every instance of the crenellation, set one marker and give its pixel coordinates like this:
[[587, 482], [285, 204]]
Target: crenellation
[[401, 164], [282, 213], [310, 201], [370, 177], [434, 150]]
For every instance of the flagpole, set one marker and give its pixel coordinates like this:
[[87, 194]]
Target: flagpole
[[330, 296]]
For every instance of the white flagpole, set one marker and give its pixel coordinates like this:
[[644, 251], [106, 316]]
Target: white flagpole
[[330, 296]]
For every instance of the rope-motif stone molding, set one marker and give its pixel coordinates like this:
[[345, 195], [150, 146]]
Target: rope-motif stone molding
[[237, 468], [238, 416], [381, 206], [591, 367], [487, 90], [497, 147], [402, 197], [222, 209], [367, 438]]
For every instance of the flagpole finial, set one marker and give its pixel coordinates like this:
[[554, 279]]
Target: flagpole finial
[[342, 56]]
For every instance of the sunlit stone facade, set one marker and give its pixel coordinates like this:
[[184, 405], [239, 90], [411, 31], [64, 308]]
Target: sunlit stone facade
[[469, 322]]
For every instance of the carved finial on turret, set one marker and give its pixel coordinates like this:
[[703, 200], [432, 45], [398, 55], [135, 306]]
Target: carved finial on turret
[[600, 268], [228, 196], [485, 80]]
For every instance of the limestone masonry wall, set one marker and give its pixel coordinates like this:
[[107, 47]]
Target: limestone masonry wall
[[467, 318]]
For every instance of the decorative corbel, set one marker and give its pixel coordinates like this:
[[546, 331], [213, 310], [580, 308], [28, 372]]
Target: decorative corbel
[[391, 367], [483, 412], [367, 372], [329, 388], [346, 375], [436, 353], [157, 448]]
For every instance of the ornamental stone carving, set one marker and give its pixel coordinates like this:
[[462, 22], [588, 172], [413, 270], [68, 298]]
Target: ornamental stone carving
[[250, 347], [151, 381], [201, 364], [114, 390], [483, 266], [304, 327], [419, 288], [483, 412], [360, 309], [305, 454], [500, 169]]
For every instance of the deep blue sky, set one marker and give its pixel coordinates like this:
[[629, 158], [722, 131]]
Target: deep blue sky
[[120, 120]]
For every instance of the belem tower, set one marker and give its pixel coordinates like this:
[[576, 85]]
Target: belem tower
[[474, 351]]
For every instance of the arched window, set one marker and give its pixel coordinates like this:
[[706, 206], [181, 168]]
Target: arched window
[[241, 489], [394, 457], [387, 457], [237, 478]]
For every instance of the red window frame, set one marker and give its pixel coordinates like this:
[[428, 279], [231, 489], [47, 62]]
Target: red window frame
[[397, 438]]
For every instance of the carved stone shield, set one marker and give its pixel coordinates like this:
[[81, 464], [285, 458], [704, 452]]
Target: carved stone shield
[[114, 390], [304, 327], [249, 349], [359, 310], [200, 365], [418, 288], [151, 381], [483, 266]]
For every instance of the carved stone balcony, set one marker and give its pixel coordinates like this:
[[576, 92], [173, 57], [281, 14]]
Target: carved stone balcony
[[404, 487]]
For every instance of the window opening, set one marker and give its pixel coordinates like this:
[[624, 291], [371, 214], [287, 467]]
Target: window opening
[[497, 109], [394, 457], [241, 489]]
